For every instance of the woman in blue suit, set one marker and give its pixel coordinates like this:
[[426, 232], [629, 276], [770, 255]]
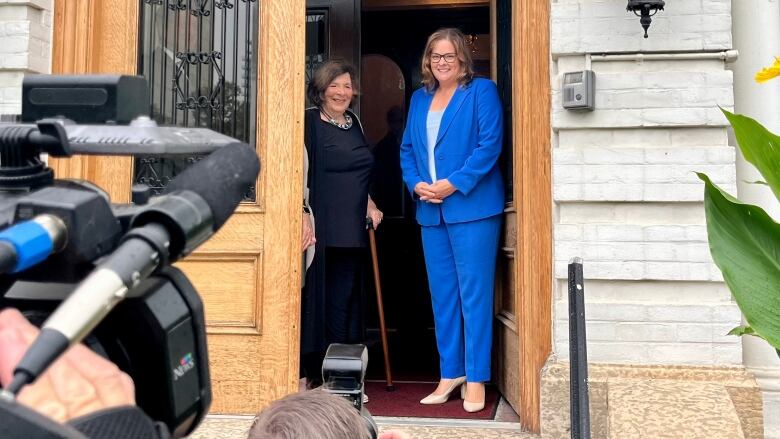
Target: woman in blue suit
[[449, 158]]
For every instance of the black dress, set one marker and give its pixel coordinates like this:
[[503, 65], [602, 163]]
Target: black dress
[[340, 167]]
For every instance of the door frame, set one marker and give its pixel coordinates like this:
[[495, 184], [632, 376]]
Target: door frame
[[532, 199], [92, 36]]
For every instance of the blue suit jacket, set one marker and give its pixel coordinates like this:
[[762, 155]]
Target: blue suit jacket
[[466, 153]]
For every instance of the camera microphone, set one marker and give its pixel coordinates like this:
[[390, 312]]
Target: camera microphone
[[192, 208], [221, 179]]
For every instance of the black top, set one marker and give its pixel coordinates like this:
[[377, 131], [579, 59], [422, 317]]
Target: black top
[[348, 162], [340, 165]]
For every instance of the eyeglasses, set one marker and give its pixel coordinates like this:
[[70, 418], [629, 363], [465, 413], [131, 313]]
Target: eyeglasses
[[448, 57]]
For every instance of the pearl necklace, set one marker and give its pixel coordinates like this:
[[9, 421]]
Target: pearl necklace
[[344, 126]]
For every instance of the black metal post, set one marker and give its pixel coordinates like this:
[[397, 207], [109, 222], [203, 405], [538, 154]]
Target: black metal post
[[578, 353]]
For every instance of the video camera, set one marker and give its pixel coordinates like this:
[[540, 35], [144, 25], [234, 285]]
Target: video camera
[[68, 256]]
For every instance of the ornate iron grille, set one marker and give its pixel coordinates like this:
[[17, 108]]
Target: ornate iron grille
[[504, 82], [200, 58]]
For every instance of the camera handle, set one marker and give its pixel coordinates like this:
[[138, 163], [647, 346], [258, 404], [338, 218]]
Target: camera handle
[[20, 147]]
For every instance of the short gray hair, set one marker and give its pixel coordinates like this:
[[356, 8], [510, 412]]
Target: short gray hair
[[312, 414]]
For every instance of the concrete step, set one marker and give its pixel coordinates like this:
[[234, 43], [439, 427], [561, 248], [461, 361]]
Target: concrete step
[[671, 409], [628, 402]]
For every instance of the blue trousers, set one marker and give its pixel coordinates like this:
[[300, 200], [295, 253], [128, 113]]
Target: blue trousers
[[461, 262]]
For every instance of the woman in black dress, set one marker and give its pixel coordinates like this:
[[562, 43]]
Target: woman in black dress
[[340, 164]]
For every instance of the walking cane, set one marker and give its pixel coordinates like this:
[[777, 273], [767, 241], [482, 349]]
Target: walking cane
[[379, 305]]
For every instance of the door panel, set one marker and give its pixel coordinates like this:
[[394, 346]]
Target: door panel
[[238, 276], [333, 31], [342, 28]]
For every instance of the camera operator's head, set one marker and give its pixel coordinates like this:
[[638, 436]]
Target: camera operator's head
[[309, 415]]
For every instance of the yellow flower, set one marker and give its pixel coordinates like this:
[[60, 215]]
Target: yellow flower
[[768, 73]]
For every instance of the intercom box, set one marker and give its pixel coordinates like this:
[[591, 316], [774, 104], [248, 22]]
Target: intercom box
[[579, 90]]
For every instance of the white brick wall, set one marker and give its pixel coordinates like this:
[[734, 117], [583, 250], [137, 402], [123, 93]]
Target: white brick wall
[[627, 198], [639, 174], [595, 26], [25, 33], [633, 326]]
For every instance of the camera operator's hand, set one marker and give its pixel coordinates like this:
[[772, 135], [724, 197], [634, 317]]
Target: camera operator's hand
[[78, 383]]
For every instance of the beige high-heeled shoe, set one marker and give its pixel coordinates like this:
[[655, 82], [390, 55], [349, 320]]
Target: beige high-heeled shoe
[[469, 406], [444, 397]]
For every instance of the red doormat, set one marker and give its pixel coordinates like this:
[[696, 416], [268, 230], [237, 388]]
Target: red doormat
[[405, 402]]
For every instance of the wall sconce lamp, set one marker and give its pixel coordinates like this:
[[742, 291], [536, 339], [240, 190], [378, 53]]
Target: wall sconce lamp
[[645, 9]]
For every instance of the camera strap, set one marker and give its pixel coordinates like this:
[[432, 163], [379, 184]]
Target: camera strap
[[128, 422], [20, 422]]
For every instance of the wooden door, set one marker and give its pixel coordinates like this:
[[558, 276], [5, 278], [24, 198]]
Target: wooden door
[[249, 273]]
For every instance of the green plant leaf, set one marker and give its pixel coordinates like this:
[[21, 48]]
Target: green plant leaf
[[739, 331], [759, 146], [745, 245], [742, 330]]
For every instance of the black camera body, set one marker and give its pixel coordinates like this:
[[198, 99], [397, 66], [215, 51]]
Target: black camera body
[[344, 374], [157, 335], [159, 338], [83, 208]]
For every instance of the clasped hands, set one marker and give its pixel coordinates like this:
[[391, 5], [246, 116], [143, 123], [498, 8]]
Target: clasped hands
[[436, 192]]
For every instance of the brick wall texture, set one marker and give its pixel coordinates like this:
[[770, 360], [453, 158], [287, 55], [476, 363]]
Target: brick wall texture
[[626, 197]]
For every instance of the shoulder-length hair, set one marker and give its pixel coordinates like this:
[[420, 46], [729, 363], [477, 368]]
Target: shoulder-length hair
[[458, 40], [324, 75]]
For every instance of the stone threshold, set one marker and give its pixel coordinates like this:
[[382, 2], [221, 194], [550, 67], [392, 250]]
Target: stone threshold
[[389, 420], [446, 422]]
